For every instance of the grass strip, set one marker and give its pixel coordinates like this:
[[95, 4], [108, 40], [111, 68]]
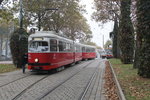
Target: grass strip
[[134, 86], [7, 68]]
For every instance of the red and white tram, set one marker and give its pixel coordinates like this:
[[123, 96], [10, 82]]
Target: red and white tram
[[78, 52], [48, 51], [88, 52]]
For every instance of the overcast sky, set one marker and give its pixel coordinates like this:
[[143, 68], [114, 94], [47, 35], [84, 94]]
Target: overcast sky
[[97, 31]]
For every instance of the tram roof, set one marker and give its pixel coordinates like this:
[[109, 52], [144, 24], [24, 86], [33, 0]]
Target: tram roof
[[49, 34], [52, 34], [44, 34], [88, 46]]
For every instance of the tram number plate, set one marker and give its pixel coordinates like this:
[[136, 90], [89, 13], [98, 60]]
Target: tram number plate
[[37, 68]]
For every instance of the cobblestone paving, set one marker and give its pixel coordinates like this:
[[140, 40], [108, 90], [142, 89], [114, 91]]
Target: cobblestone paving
[[70, 90], [73, 89], [96, 90], [6, 78], [9, 91], [53, 80]]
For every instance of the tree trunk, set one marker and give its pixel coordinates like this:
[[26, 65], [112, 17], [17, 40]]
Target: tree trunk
[[126, 36], [143, 34], [115, 40], [18, 46], [137, 51], [118, 47], [39, 21], [1, 44]]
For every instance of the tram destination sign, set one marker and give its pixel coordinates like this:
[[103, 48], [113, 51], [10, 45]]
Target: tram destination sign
[[37, 38]]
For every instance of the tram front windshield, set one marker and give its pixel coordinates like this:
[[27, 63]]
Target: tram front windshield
[[38, 46]]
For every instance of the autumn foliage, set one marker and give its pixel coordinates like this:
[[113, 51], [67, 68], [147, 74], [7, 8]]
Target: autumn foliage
[[18, 46], [143, 30], [110, 86]]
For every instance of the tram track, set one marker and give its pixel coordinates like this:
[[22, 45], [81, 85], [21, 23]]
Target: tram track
[[12, 94], [22, 92], [88, 85], [7, 83], [74, 88], [15, 97], [51, 90], [60, 84], [14, 80], [94, 77]]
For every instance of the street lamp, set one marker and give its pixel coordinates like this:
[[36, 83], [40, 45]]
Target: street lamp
[[103, 40]]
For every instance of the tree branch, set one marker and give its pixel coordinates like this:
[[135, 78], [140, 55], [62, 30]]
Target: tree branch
[[1, 1]]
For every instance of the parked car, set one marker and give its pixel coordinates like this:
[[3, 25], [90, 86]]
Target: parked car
[[103, 54], [109, 55]]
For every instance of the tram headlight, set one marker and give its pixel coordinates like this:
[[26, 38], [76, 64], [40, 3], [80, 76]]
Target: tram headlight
[[36, 60]]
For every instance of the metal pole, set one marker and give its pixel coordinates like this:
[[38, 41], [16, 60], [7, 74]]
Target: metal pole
[[103, 41], [21, 15], [1, 45]]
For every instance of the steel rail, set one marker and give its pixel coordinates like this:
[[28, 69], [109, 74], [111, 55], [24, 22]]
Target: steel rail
[[14, 80], [51, 90], [18, 95], [89, 83]]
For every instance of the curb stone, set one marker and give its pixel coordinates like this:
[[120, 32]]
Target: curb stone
[[120, 92]]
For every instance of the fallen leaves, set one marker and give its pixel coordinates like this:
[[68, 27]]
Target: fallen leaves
[[137, 92], [109, 85], [133, 86]]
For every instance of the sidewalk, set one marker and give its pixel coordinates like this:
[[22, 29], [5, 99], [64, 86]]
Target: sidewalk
[[6, 62]]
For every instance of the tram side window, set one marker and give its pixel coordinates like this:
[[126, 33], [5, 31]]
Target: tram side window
[[71, 48], [53, 45], [83, 49], [68, 47], [93, 50], [77, 48], [80, 49], [64, 46], [87, 50], [60, 46]]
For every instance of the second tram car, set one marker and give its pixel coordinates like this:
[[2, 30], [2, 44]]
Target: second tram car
[[88, 52], [48, 51]]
